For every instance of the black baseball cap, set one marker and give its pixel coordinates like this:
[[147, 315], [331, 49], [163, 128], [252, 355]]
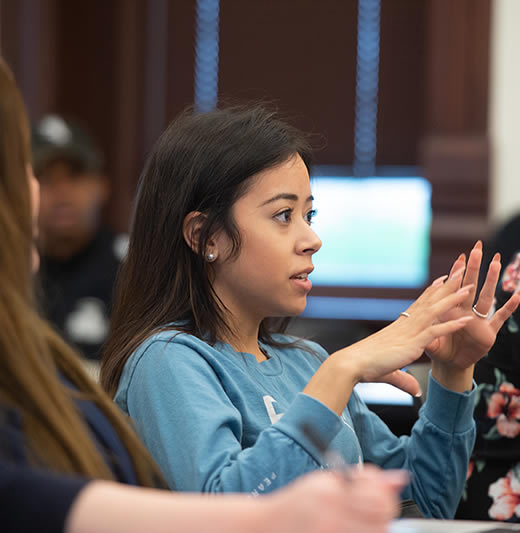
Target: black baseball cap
[[57, 139]]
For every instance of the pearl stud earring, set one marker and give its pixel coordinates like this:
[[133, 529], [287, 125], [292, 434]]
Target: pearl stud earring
[[210, 257]]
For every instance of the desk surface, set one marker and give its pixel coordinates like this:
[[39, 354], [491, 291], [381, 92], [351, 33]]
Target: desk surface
[[450, 526]]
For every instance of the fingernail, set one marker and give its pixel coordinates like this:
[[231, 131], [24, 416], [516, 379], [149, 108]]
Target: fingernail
[[418, 394], [458, 273], [464, 319], [439, 281]]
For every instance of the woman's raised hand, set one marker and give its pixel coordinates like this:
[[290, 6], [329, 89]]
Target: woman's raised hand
[[380, 356], [462, 348], [441, 322]]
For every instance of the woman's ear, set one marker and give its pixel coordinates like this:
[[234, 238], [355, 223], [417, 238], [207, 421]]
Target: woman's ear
[[191, 230]]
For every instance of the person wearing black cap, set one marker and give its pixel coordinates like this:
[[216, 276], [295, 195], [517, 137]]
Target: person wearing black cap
[[80, 256]]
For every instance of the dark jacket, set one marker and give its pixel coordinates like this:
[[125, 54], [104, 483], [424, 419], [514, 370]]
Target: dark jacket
[[36, 499]]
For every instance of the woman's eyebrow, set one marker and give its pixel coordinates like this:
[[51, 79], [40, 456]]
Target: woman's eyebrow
[[285, 196]]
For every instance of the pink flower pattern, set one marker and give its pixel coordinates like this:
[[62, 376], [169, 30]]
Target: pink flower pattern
[[511, 278], [471, 467], [504, 405], [505, 493]]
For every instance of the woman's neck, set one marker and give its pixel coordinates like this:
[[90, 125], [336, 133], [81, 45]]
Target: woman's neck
[[243, 327], [245, 339]]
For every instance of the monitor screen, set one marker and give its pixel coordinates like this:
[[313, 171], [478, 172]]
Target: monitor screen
[[383, 394], [375, 231]]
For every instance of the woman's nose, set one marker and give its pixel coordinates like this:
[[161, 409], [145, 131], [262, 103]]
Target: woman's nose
[[311, 243]]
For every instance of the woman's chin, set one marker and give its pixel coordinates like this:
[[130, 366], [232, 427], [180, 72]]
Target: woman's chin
[[297, 309]]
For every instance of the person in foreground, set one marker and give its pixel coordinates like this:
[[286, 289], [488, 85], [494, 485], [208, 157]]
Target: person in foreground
[[221, 242], [66, 452]]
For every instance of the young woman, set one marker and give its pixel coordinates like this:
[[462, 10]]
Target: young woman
[[63, 444], [221, 242]]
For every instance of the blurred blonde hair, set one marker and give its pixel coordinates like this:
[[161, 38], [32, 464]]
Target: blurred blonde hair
[[32, 355]]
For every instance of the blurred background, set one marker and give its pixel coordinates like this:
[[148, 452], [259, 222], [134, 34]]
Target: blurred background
[[421, 92]]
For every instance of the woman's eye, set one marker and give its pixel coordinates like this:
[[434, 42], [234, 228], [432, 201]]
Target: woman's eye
[[284, 216], [310, 216]]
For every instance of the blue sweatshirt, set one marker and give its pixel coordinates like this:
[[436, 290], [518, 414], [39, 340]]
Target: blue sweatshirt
[[216, 420]]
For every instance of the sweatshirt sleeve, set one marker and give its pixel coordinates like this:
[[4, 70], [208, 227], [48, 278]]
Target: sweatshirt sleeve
[[436, 453], [194, 432], [35, 500]]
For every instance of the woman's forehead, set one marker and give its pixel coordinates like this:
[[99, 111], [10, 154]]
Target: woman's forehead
[[289, 177]]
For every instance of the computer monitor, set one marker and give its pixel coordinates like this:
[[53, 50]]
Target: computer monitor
[[375, 231], [376, 235]]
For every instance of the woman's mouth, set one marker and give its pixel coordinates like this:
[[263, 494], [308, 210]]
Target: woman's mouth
[[302, 281]]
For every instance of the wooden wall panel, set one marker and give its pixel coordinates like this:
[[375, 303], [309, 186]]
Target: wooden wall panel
[[304, 60], [127, 67], [402, 72], [100, 51], [455, 149], [458, 66], [28, 43], [181, 56]]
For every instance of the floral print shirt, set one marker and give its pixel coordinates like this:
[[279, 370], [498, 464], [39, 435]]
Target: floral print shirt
[[493, 480]]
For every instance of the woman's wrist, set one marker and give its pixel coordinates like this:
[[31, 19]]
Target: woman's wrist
[[333, 382], [347, 365], [452, 377]]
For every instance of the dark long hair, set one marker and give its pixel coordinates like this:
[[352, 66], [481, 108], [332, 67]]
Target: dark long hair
[[202, 162]]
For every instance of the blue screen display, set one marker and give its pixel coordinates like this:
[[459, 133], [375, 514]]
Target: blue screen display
[[375, 231]]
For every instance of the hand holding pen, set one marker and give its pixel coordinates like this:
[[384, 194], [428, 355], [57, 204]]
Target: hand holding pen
[[395, 479]]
